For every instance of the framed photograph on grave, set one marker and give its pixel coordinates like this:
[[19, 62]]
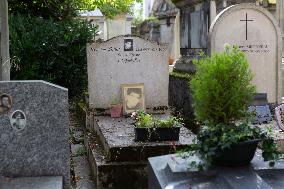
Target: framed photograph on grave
[[128, 44], [133, 97], [5, 103]]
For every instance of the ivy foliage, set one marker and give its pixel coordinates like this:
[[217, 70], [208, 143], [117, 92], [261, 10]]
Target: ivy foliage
[[215, 138]]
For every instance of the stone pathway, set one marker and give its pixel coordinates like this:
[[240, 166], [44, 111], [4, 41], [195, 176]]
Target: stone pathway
[[80, 169]]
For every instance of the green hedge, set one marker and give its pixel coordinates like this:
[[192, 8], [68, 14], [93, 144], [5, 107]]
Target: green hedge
[[54, 51]]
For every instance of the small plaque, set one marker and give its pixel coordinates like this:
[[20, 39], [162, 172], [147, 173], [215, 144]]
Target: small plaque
[[5, 103], [18, 120], [262, 114]]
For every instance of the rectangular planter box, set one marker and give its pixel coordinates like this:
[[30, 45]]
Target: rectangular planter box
[[157, 134]]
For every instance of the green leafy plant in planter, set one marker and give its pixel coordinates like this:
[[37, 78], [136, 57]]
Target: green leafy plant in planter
[[222, 92], [149, 128]]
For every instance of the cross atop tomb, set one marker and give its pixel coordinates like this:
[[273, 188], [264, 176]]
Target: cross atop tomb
[[246, 20]]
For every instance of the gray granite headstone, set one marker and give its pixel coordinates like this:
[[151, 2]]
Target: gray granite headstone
[[34, 130], [49, 182]]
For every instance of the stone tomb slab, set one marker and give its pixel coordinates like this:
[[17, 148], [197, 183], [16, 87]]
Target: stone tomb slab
[[32, 183], [126, 175], [255, 31], [127, 60], [34, 125], [170, 171], [117, 138]]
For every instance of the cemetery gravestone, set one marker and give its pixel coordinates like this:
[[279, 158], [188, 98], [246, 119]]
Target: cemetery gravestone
[[254, 31], [127, 60], [34, 130]]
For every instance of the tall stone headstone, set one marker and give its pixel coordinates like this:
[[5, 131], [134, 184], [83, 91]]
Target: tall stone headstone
[[4, 42], [34, 127], [254, 31], [112, 63]]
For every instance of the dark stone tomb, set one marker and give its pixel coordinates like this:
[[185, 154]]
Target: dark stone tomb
[[171, 172]]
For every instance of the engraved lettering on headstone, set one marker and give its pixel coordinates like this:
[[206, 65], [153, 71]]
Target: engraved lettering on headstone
[[18, 120], [5, 103]]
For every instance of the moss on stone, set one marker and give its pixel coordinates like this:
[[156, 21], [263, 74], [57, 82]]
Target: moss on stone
[[182, 75]]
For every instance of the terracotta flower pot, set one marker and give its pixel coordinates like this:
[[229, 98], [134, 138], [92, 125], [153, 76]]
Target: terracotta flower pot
[[171, 61], [115, 110]]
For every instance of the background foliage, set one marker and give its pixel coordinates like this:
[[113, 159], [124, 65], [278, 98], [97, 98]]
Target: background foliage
[[43, 49], [48, 41], [67, 9]]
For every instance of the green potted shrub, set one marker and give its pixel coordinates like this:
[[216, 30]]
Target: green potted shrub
[[222, 92], [148, 128], [115, 108]]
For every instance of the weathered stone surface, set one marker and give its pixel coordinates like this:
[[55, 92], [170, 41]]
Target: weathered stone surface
[[32, 183], [41, 148], [180, 98], [171, 171], [253, 30], [4, 42], [112, 175], [117, 138], [110, 65]]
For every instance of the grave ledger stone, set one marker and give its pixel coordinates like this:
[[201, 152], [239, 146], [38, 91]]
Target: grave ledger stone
[[34, 130], [254, 31], [127, 60]]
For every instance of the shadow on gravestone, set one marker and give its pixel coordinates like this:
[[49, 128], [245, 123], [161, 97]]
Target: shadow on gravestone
[[34, 122]]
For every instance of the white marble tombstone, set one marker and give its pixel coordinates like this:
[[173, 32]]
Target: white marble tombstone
[[110, 65], [255, 31]]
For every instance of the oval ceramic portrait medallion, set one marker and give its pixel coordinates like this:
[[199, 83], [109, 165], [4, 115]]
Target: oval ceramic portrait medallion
[[18, 120], [5, 103]]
